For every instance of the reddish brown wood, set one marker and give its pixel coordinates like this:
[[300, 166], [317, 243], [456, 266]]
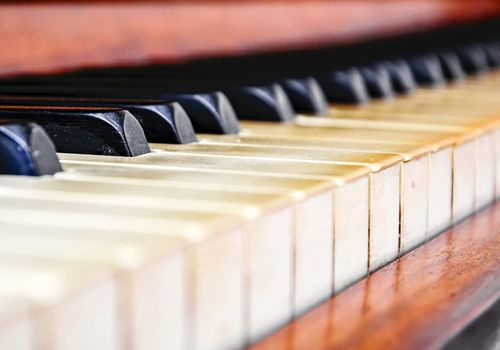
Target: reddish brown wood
[[418, 302], [59, 36]]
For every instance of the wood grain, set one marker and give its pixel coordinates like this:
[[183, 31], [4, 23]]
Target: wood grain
[[418, 302], [58, 36]]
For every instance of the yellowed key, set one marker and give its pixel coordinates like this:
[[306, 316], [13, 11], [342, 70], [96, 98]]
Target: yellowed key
[[374, 160], [483, 129], [312, 201], [16, 330], [477, 90], [464, 154], [466, 196], [452, 118], [383, 231], [406, 150], [349, 184], [152, 278], [315, 250], [54, 293], [268, 240], [352, 132], [481, 126], [408, 123], [260, 209], [384, 227], [217, 260], [384, 183], [464, 95], [456, 119], [470, 108]]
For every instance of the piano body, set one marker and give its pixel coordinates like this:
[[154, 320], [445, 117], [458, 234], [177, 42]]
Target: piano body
[[263, 175]]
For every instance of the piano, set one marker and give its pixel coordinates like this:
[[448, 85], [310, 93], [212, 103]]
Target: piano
[[262, 175]]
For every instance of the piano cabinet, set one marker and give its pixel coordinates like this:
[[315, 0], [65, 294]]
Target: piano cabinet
[[443, 294]]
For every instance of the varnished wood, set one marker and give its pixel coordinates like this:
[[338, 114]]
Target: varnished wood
[[51, 37], [418, 302]]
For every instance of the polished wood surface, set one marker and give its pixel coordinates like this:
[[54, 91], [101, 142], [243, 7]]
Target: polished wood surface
[[57, 36], [418, 302]]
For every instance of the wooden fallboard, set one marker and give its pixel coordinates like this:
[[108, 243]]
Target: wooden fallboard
[[418, 302], [58, 36]]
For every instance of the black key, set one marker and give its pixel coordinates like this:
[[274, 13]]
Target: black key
[[266, 103], [473, 60], [377, 81], [165, 123], [401, 77], [25, 149], [306, 95], [451, 66], [101, 132], [161, 122], [492, 52], [346, 86], [209, 112], [427, 70]]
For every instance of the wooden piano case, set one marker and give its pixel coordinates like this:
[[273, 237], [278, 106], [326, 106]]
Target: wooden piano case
[[424, 299]]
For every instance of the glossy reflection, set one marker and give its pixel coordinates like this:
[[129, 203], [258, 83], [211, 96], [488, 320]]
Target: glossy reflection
[[421, 298]]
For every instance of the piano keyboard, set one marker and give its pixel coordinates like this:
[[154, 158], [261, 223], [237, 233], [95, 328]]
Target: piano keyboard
[[165, 222]]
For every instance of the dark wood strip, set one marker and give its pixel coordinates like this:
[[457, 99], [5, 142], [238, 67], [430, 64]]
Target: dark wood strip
[[418, 302], [52, 37]]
